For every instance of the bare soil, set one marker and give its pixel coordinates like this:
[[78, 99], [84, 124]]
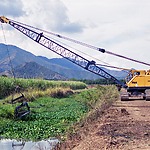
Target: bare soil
[[123, 126]]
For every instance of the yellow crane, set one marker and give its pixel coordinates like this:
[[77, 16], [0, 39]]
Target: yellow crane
[[137, 81]]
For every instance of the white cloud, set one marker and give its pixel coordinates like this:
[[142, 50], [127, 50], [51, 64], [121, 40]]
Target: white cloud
[[11, 8], [50, 15]]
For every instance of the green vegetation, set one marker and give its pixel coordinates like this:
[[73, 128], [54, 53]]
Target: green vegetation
[[8, 85], [49, 117], [96, 81], [53, 113], [100, 81]]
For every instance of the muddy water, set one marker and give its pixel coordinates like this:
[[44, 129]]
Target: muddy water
[[6, 144]]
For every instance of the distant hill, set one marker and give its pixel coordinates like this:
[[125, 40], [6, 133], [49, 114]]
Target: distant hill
[[27, 64], [62, 62], [27, 70], [69, 65]]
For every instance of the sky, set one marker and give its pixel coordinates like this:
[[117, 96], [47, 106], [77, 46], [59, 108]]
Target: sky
[[118, 26]]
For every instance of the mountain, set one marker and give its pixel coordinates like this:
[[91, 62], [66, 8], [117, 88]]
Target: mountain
[[27, 70], [62, 62], [69, 65], [27, 64]]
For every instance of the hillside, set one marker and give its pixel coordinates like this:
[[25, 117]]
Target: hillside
[[27, 70], [20, 60]]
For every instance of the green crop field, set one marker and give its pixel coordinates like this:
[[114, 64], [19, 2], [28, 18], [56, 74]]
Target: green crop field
[[8, 85]]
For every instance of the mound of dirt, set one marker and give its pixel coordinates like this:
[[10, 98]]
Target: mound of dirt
[[124, 126]]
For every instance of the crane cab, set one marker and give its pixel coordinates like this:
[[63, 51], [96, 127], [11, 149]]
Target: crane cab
[[138, 83], [138, 79]]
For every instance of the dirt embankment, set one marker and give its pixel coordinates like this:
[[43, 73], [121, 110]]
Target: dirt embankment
[[124, 126]]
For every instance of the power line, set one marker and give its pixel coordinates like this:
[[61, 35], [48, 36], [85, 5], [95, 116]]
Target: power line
[[10, 62]]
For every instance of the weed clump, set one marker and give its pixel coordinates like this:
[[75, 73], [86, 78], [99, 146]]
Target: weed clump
[[59, 93]]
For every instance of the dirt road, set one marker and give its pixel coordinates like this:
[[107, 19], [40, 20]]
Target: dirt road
[[124, 126]]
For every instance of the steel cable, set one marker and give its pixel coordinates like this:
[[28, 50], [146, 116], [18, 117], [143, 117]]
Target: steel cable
[[85, 44]]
